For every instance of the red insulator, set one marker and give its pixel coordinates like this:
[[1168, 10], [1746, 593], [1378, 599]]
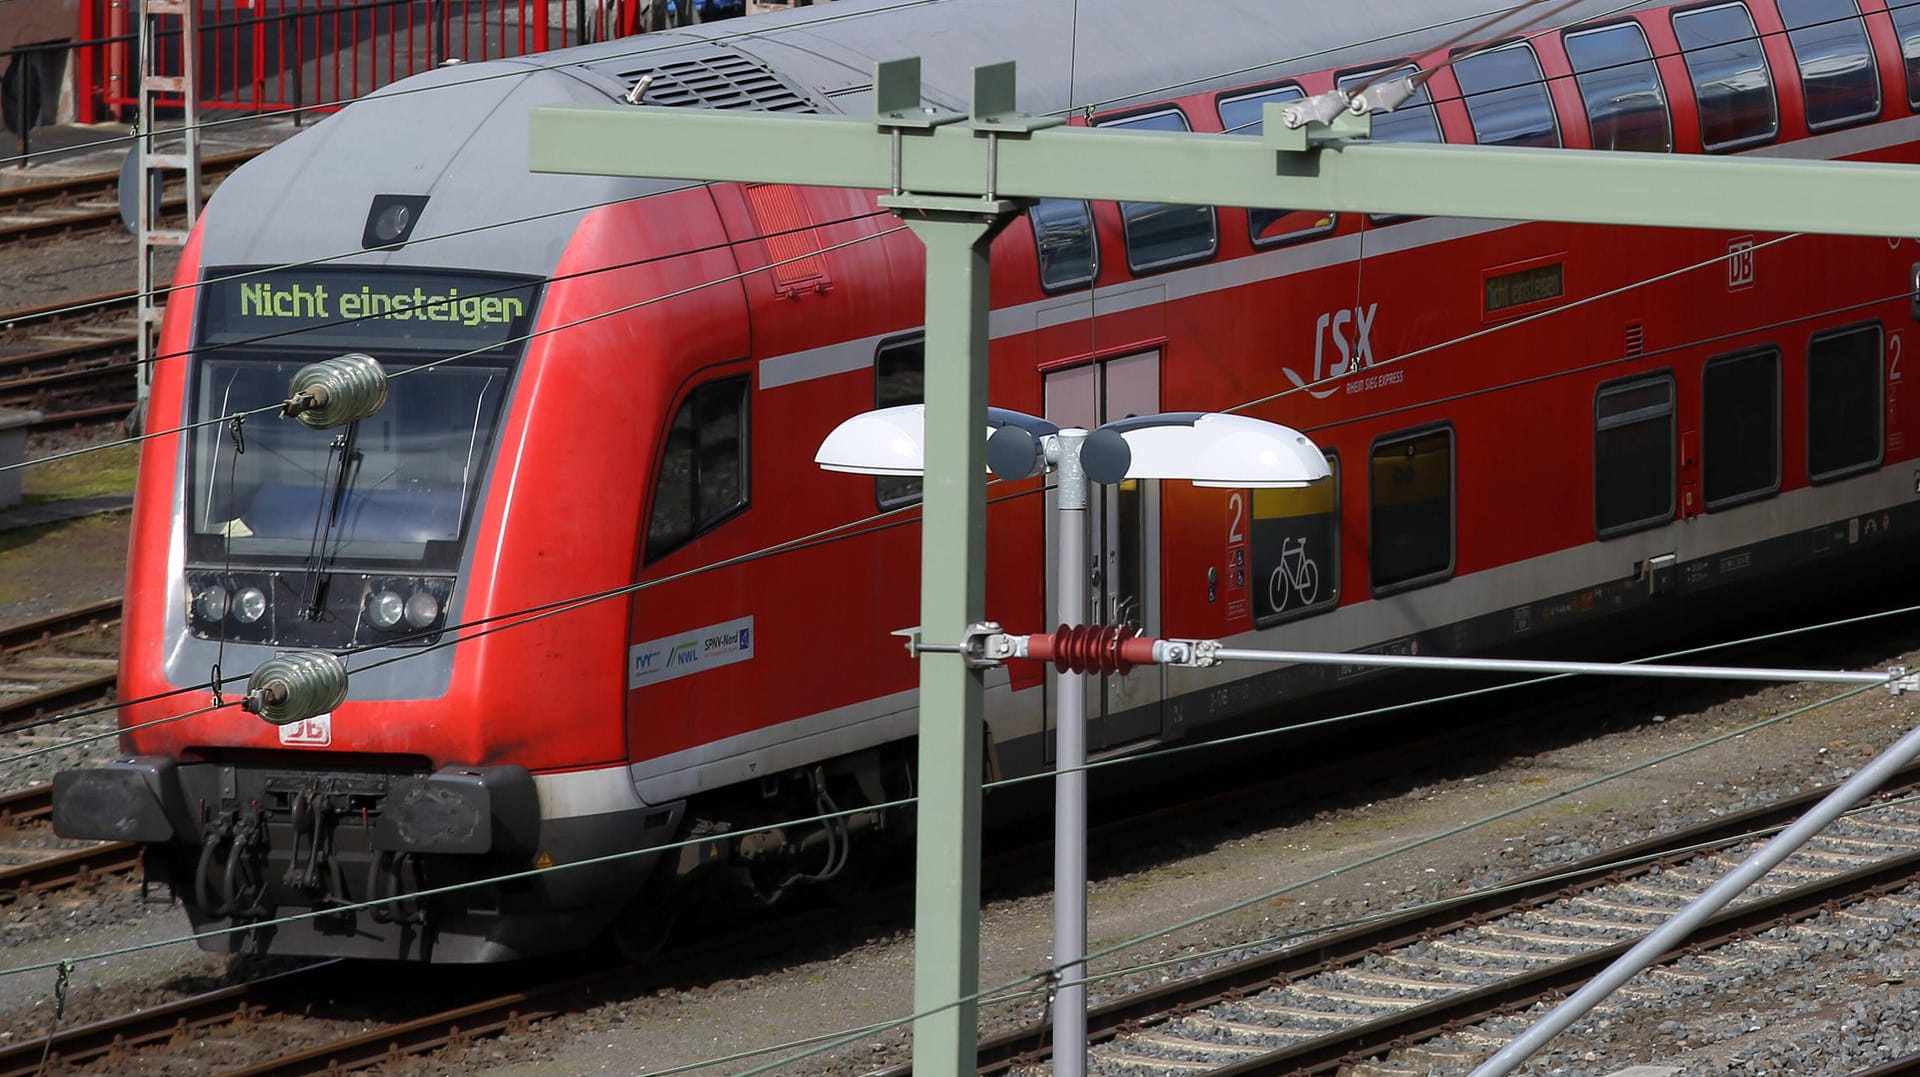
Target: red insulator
[[1094, 648]]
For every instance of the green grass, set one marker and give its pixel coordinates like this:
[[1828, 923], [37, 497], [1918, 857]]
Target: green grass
[[103, 471]]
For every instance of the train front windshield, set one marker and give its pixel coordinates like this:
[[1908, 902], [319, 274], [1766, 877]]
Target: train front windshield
[[397, 487]]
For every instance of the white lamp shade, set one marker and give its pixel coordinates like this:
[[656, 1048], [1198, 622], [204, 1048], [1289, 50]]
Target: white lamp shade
[[1212, 449], [888, 441], [893, 441]]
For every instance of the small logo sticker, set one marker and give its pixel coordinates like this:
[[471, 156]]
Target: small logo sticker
[[1740, 264], [673, 656], [315, 732]]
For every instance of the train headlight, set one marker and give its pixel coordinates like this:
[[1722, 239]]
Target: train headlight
[[385, 609], [249, 605], [422, 609], [211, 603]]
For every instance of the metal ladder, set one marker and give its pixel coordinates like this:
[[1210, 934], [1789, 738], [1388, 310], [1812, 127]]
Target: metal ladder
[[153, 163]]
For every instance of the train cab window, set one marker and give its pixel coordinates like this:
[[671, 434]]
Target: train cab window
[[703, 471], [1410, 509], [1906, 23], [1162, 234], [1732, 85], [899, 377], [1844, 410], [1064, 237], [1296, 549], [1740, 428], [1633, 457], [1271, 227], [1620, 86], [1413, 121], [1506, 97], [1837, 73]]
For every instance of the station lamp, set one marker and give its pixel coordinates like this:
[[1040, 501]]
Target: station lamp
[[1205, 448]]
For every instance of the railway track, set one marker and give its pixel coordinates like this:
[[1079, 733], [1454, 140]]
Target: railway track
[[73, 362], [85, 204], [1418, 983], [48, 666], [58, 663], [1420, 980], [41, 867]]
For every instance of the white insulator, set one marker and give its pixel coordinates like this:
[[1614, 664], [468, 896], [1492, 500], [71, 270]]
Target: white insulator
[[337, 391], [294, 687]]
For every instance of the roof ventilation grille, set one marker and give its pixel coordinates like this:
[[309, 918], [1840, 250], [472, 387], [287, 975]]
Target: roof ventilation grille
[[718, 80]]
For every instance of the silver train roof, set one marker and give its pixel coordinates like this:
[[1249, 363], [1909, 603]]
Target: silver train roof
[[459, 134]]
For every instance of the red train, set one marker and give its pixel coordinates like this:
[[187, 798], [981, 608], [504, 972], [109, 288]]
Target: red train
[[602, 384]]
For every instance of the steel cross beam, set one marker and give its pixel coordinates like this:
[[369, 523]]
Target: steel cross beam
[[1310, 168], [957, 180]]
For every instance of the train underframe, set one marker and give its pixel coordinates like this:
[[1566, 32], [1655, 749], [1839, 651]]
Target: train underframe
[[451, 866]]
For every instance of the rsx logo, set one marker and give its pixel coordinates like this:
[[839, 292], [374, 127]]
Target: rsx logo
[[1350, 331]]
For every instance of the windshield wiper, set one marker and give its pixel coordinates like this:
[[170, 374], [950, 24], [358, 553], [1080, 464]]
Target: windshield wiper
[[345, 470]]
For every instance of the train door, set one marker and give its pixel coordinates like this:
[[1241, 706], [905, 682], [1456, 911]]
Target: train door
[[1123, 544]]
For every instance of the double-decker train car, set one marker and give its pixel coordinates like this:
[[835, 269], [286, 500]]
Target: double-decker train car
[[1544, 438]]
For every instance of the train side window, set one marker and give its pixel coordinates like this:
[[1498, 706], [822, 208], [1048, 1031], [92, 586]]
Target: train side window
[[1410, 503], [1906, 23], [1063, 236], [1296, 549], [1740, 428], [1633, 457], [1271, 227], [1506, 97], [1413, 121], [1732, 85], [899, 377], [1163, 234], [1620, 86], [703, 470], [1837, 73], [1845, 431]]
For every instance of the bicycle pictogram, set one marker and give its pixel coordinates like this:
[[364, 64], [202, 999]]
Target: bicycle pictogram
[[1296, 576]]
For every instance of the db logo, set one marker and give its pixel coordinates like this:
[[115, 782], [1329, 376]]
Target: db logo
[[315, 732], [1740, 263]]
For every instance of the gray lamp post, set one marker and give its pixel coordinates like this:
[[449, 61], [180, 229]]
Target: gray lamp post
[[1207, 448]]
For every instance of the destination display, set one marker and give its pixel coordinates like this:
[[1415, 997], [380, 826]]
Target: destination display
[[1524, 286], [367, 309]]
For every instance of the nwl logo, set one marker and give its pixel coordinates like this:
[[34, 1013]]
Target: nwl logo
[[689, 652], [1351, 334]]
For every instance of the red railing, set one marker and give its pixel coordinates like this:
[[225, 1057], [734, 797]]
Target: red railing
[[281, 55]]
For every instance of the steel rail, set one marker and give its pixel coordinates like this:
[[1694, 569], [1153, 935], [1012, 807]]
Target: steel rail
[[81, 1044], [54, 700], [1329, 1054], [83, 417], [92, 617], [112, 377], [72, 867], [22, 805], [72, 205], [1030, 1044], [61, 868], [50, 365], [66, 310], [1904, 1066]]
